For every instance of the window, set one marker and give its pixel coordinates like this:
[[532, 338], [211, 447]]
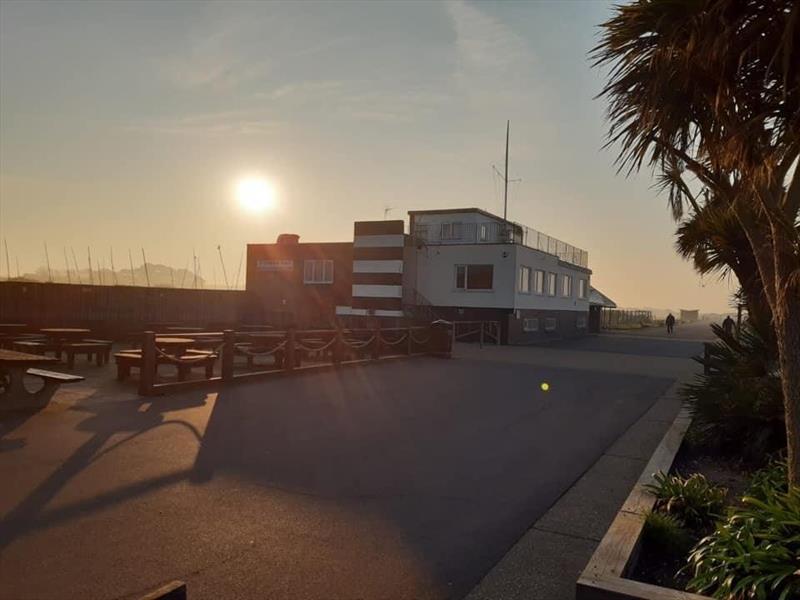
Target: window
[[580, 322], [524, 280], [530, 324], [484, 232], [538, 282], [318, 271], [550, 324], [582, 288], [566, 286], [551, 284], [451, 231], [474, 277]]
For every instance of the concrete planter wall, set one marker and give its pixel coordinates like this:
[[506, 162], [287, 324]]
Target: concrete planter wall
[[605, 577]]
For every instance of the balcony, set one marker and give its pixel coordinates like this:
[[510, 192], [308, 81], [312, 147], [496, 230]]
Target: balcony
[[493, 232]]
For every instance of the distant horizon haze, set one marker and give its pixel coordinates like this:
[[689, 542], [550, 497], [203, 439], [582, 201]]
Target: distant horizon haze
[[178, 127]]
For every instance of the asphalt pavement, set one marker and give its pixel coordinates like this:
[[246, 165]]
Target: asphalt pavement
[[408, 479]]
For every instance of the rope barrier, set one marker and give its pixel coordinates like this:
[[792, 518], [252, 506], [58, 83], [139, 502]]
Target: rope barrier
[[246, 352], [421, 342], [361, 345], [397, 341], [314, 348], [183, 361]]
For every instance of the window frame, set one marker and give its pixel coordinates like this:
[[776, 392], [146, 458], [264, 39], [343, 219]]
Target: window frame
[[552, 284], [566, 285], [318, 277], [538, 282], [550, 324], [465, 267], [530, 324], [483, 232], [520, 288], [454, 229], [583, 285]]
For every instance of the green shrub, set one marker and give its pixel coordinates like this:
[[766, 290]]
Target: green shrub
[[738, 406], [692, 500], [667, 533], [753, 554], [770, 480]]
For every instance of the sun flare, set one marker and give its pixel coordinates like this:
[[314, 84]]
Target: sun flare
[[255, 194]]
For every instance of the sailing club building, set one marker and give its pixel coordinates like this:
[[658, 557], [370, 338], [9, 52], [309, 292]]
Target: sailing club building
[[454, 264]]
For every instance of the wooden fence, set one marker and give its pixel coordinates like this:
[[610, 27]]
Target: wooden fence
[[319, 349], [625, 319], [114, 310], [477, 331]]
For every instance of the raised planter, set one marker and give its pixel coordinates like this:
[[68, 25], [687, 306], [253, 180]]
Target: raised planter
[[605, 576]]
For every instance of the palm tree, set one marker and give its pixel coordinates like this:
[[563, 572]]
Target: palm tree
[[712, 87]]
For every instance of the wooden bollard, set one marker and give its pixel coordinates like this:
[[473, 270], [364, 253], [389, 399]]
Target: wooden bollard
[[376, 346], [289, 361], [228, 350], [147, 373]]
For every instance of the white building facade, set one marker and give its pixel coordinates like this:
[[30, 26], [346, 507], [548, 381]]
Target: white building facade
[[468, 264]]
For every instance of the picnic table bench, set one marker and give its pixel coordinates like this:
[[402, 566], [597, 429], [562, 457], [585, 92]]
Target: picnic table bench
[[186, 361], [13, 368]]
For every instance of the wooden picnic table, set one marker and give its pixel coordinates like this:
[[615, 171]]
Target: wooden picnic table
[[174, 345], [182, 329], [65, 333], [12, 370]]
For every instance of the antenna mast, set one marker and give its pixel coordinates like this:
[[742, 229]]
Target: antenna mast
[[113, 270], [505, 175], [66, 263], [47, 258], [146, 272], [77, 268], [91, 274], [130, 260], [8, 263], [222, 262]]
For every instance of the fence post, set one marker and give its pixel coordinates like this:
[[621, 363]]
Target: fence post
[[338, 346], [147, 373], [289, 362], [376, 346], [480, 340], [410, 342], [228, 348]]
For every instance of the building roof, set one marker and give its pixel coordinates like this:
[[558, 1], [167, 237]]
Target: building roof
[[598, 298], [447, 211]]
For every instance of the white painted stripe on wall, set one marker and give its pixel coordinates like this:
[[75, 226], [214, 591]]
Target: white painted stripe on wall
[[379, 241], [388, 313], [349, 310], [377, 266], [377, 291]]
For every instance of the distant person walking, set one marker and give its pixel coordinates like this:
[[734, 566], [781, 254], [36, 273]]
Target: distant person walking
[[728, 325], [670, 322]]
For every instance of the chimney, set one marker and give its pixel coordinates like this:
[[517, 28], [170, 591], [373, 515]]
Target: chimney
[[288, 238]]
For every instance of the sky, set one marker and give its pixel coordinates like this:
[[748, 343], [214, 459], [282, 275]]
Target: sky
[[130, 125]]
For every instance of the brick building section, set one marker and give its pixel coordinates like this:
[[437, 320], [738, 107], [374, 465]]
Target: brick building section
[[276, 276]]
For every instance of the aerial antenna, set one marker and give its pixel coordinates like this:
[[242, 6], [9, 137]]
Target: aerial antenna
[[130, 260], [66, 264], [146, 272], [47, 258], [222, 262], [239, 270], [172, 275], [91, 275], [75, 262], [8, 264], [16, 258], [504, 176], [113, 270], [194, 267]]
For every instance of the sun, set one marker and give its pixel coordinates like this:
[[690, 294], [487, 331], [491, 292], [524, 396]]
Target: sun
[[255, 194]]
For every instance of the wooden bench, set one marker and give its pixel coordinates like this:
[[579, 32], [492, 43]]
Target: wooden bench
[[52, 379], [107, 344], [129, 359], [90, 349], [41, 347]]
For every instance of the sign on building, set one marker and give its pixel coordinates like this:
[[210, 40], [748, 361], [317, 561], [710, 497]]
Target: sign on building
[[274, 265]]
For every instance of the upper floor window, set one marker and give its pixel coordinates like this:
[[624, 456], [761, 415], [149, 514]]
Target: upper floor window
[[318, 271], [582, 288], [538, 282], [524, 285], [474, 277], [552, 279], [566, 286], [484, 232], [451, 231]]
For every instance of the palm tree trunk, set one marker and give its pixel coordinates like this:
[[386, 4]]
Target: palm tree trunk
[[787, 329]]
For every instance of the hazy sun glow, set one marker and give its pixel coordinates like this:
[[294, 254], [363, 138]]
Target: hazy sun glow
[[255, 194]]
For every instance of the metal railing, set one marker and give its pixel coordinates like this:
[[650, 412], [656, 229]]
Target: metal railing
[[624, 319], [492, 232]]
